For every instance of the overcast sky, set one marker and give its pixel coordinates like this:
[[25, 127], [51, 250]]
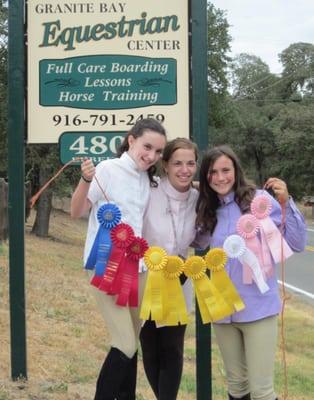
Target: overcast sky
[[266, 27]]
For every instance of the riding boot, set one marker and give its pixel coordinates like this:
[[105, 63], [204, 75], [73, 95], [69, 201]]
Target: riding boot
[[128, 386], [111, 375], [246, 397]]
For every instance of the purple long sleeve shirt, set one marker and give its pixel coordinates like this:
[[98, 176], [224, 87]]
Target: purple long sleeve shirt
[[257, 305]]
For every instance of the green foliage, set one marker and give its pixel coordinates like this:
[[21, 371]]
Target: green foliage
[[218, 47], [294, 134], [251, 78], [268, 120], [298, 69]]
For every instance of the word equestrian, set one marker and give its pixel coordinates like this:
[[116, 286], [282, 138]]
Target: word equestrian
[[55, 35]]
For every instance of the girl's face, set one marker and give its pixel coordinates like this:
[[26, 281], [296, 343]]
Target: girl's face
[[181, 169], [221, 176], [146, 150]]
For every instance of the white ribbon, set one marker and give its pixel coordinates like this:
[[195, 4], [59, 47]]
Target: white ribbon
[[235, 247]]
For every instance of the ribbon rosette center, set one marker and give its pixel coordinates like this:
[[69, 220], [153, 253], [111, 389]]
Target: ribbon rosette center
[[234, 246], [216, 259], [247, 226], [155, 258], [195, 267], [109, 215], [174, 267], [261, 206], [122, 235], [137, 248]]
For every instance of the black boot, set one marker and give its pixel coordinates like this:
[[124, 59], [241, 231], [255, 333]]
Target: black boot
[[246, 397], [128, 386], [111, 375]]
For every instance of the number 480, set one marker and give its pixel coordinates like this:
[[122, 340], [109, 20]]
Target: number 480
[[95, 145]]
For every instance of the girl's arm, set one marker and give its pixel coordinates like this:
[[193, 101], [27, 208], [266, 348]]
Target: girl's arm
[[295, 227], [79, 202]]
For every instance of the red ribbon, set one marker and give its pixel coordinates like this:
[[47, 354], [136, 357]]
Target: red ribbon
[[122, 236], [125, 284]]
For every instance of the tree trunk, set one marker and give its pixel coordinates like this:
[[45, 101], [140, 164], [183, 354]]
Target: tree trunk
[[44, 205]]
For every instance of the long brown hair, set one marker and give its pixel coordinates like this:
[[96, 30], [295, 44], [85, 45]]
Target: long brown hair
[[208, 201], [137, 131], [176, 144]]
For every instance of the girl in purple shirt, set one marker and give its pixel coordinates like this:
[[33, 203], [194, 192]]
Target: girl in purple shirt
[[247, 339]]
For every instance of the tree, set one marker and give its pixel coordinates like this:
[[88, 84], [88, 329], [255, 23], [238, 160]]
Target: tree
[[218, 47], [298, 69], [293, 128], [249, 134], [251, 78], [42, 162]]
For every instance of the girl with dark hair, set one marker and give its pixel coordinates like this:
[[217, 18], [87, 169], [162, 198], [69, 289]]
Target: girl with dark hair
[[126, 182], [247, 339], [169, 223]]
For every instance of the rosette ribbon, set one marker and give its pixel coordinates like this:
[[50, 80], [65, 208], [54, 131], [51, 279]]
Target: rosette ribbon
[[125, 284], [108, 217], [215, 260], [175, 304], [155, 259], [248, 227], [122, 236], [235, 247], [211, 303], [279, 248]]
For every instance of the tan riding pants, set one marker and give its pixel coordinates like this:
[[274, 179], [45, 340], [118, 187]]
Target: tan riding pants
[[122, 323], [248, 352]]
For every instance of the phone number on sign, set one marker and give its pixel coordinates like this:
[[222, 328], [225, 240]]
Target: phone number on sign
[[101, 119]]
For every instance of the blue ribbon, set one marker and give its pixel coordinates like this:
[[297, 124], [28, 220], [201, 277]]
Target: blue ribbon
[[108, 217]]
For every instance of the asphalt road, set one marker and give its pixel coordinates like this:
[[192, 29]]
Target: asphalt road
[[299, 270]]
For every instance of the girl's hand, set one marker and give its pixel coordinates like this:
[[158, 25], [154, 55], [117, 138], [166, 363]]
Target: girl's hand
[[88, 170], [279, 188]]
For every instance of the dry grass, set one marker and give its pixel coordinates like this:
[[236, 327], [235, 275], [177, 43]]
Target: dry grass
[[67, 339]]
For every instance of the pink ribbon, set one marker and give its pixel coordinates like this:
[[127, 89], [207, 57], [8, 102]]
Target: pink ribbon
[[276, 243], [247, 227]]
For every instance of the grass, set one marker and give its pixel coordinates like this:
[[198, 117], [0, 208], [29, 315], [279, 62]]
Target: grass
[[67, 339]]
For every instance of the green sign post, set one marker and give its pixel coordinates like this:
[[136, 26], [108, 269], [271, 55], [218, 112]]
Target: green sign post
[[200, 136], [16, 137]]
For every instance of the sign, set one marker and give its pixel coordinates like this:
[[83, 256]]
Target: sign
[[100, 66], [94, 145]]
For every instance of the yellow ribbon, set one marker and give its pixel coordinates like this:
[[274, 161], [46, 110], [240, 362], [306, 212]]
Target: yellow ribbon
[[152, 307], [216, 260], [175, 306], [211, 304]]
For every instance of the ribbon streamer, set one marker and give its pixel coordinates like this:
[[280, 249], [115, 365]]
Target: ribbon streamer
[[175, 305], [235, 247], [260, 208], [108, 217], [155, 259], [122, 236], [215, 260], [212, 305], [247, 227], [125, 284]]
